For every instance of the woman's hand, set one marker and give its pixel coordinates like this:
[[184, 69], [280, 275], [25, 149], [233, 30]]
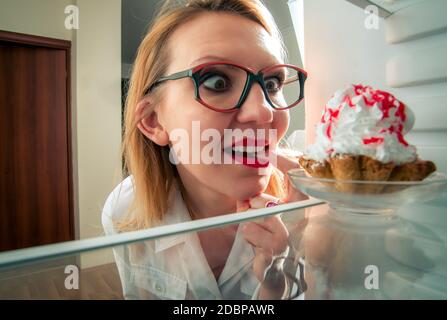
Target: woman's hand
[[269, 239], [270, 236]]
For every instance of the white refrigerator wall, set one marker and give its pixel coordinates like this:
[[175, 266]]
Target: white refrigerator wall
[[405, 55]]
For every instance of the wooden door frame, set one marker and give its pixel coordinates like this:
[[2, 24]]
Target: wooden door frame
[[38, 41]]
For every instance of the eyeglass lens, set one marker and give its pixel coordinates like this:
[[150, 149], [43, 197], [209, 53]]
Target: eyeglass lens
[[221, 86]]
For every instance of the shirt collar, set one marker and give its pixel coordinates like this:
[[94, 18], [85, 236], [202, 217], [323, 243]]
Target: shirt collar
[[241, 255], [177, 213]]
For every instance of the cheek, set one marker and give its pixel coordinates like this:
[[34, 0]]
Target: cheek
[[180, 109], [281, 122], [176, 108], [192, 127]]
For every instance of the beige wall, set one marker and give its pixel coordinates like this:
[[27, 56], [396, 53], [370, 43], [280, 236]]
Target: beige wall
[[43, 18], [96, 97], [98, 56]]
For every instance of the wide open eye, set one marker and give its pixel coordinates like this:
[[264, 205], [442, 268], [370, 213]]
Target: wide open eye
[[282, 84], [273, 84], [215, 82], [221, 85]]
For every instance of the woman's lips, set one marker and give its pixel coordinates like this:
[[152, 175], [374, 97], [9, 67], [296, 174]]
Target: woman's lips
[[256, 162], [250, 152]]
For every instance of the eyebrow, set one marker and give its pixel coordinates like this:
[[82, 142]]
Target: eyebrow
[[217, 58]]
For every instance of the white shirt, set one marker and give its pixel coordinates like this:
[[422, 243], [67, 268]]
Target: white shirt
[[175, 267]]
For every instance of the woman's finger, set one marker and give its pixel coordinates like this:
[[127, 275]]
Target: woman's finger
[[256, 235], [272, 223], [262, 200], [275, 225], [261, 238], [242, 206]]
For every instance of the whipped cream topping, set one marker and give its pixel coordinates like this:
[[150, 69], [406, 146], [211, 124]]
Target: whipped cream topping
[[360, 120]]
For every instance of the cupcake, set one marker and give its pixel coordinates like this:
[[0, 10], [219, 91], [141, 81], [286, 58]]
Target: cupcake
[[361, 136]]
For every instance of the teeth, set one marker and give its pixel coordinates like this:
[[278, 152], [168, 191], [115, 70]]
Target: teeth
[[248, 149]]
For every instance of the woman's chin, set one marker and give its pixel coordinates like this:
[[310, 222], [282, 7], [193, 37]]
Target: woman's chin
[[244, 190]]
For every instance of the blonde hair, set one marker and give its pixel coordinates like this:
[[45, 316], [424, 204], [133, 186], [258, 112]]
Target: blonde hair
[[148, 163]]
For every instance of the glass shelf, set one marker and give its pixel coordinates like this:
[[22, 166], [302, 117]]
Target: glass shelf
[[25, 256], [331, 254], [46, 272]]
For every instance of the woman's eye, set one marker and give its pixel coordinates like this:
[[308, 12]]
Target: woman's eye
[[216, 83], [273, 84]]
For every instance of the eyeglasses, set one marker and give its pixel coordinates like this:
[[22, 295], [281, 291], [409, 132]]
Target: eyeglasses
[[224, 86]]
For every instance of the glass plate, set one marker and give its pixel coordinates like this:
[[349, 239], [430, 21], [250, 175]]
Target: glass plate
[[369, 196]]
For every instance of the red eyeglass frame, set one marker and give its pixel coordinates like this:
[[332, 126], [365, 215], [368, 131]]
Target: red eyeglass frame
[[252, 77]]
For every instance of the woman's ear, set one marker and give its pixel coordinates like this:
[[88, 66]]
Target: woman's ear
[[149, 124]]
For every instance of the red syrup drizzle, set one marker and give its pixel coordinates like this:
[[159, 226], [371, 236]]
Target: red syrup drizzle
[[386, 102], [373, 140]]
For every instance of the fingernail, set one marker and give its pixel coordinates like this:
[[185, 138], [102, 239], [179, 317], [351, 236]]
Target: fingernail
[[271, 204]]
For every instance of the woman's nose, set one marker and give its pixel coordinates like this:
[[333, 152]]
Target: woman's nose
[[255, 108]]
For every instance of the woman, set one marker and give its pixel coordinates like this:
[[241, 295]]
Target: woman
[[214, 66]]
